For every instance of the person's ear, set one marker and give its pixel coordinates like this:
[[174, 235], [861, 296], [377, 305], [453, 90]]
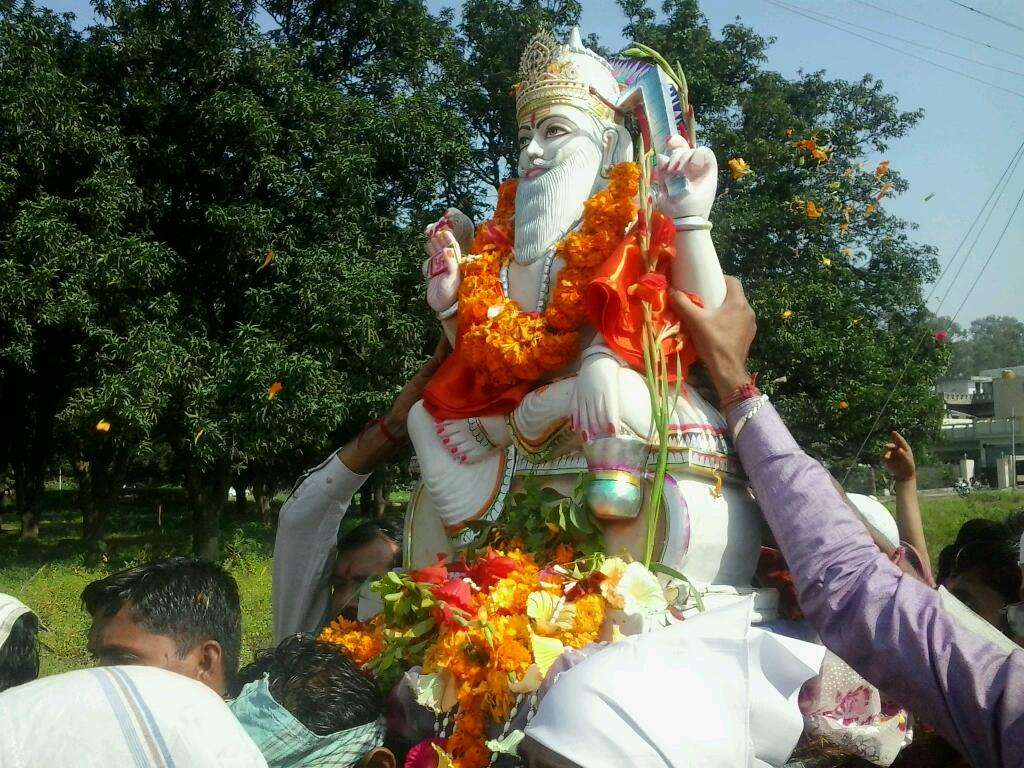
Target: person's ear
[[381, 757], [211, 665]]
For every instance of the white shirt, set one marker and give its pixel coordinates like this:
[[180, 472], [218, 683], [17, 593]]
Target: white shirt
[[307, 545], [121, 717]]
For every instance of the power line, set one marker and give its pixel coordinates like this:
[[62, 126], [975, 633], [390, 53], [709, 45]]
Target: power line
[[939, 29], [1006, 176], [915, 44], [800, 12], [987, 15]]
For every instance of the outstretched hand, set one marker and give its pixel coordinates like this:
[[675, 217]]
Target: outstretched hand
[[899, 458], [721, 336]]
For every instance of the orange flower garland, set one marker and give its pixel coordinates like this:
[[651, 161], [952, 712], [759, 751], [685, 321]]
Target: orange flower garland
[[508, 344], [362, 642]]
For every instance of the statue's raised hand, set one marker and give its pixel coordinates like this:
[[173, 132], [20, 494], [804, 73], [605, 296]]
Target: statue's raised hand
[[700, 169], [447, 238]]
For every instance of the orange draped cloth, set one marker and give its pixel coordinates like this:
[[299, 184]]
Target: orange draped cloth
[[459, 391], [618, 289]]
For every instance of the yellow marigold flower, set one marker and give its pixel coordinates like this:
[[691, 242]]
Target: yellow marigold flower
[[869, 209], [812, 211], [826, 261], [738, 168], [787, 313], [102, 425]]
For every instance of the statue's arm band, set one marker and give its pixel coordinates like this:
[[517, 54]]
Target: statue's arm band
[[450, 312], [689, 223]]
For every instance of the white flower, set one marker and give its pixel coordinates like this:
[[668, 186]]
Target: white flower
[[436, 691], [641, 591], [494, 310]]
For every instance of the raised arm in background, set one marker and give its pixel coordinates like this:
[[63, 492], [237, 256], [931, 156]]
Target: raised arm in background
[[889, 627], [899, 460]]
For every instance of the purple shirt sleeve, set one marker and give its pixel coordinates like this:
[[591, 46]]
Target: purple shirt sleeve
[[889, 627]]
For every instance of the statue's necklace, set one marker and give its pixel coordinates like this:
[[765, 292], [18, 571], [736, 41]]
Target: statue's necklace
[[545, 279], [545, 273]]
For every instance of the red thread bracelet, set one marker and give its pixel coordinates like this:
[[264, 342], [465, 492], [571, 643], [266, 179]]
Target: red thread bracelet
[[387, 433], [741, 393]]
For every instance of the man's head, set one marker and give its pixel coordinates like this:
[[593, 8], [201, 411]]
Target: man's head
[[365, 551], [980, 568], [569, 138], [179, 614], [19, 644], [338, 706]]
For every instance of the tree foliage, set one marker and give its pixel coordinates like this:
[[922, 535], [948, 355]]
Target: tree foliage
[[209, 248], [993, 341]]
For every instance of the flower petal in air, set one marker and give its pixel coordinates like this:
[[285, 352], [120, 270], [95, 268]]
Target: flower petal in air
[[102, 425], [274, 389]]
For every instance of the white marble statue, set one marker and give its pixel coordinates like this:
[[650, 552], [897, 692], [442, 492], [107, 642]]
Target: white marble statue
[[597, 408]]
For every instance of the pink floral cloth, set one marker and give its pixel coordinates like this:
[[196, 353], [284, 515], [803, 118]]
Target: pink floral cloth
[[844, 709]]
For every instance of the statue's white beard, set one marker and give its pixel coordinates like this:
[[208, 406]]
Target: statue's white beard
[[548, 205]]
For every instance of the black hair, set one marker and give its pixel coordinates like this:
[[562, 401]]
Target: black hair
[[315, 681], [190, 601], [366, 532], [19, 655], [987, 548]]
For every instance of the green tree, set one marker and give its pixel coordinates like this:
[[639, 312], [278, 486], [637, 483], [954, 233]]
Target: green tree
[[994, 341], [285, 202], [835, 279], [72, 266]]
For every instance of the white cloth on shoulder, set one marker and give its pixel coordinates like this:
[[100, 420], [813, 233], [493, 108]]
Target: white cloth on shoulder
[[11, 609], [711, 691], [129, 717]]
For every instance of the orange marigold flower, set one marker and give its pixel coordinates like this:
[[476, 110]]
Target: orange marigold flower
[[102, 425], [882, 168], [360, 642], [738, 168], [843, 405], [812, 211], [274, 389], [564, 554]]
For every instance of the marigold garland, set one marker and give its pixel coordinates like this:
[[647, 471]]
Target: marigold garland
[[485, 656], [500, 339]]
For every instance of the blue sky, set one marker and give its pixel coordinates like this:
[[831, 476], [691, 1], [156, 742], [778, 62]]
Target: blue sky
[[956, 153]]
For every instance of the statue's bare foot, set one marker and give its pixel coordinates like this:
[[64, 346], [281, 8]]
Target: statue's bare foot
[[472, 440]]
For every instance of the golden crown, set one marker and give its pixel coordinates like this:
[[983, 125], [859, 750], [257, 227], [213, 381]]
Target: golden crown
[[553, 73]]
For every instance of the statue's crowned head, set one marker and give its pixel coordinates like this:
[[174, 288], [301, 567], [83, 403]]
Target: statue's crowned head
[[570, 135]]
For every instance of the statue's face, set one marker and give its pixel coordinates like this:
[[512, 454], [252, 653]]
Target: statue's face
[[551, 137], [560, 158]]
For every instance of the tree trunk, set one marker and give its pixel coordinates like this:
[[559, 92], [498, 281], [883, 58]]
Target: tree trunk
[[262, 494], [239, 484], [28, 487], [207, 492], [373, 497]]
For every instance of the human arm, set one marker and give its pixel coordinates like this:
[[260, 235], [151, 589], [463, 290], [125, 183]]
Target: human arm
[[891, 629], [307, 529], [899, 460]]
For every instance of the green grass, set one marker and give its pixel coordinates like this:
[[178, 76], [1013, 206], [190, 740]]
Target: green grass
[[49, 574]]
